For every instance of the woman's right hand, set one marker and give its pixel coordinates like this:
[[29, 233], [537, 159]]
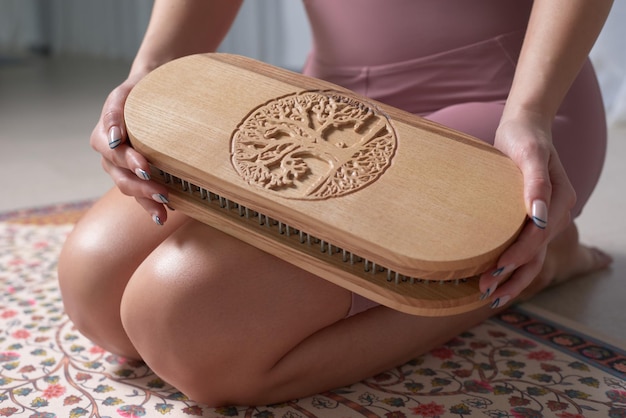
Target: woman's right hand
[[129, 170]]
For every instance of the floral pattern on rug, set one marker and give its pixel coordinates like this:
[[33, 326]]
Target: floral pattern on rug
[[516, 365]]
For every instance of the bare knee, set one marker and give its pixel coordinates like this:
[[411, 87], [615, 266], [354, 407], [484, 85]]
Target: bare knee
[[91, 289], [213, 316], [158, 318], [192, 331]]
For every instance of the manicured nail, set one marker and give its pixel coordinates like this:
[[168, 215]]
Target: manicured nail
[[498, 272], [504, 270], [115, 137], [158, 197], [501, 301], [157, 220], [540, 214], [489, 291], [142, 174]]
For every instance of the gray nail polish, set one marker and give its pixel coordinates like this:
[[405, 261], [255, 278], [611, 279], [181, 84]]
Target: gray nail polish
[[501, 301], [142, 174], [115, 143], [498, 272], [158, 197], [540, 214], [157, 220], [489, 291], [115, 137]]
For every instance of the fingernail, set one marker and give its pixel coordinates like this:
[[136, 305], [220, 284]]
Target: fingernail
[[115, 137], [142, 174], [501, 301], [504, 270], [489, 291], [498, 272], [157, 220], [540, 214], [160, 198]]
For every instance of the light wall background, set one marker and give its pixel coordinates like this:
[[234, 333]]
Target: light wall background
[[275, 31]]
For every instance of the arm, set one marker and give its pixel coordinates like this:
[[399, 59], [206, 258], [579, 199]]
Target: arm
[[177, 28], [559, 36]]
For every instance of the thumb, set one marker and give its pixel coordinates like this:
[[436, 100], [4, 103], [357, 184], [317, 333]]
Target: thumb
[[537, 188], [113, 125], [113, 115]]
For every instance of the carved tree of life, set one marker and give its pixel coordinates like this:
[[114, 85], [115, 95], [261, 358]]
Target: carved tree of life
[[313, 145]]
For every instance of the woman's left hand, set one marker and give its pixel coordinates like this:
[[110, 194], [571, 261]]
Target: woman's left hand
[[549, 197]]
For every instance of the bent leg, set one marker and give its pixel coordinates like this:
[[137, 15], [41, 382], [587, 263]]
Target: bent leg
[[479, 119], [213, 315], [229, 324], [98, 258]]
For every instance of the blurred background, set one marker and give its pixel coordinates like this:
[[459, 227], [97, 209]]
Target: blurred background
[[275, 31], [60, 58]]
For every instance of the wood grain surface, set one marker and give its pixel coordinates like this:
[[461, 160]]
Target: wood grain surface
[[443, 207]]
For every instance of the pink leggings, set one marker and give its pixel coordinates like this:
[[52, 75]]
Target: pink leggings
[[466, 89]]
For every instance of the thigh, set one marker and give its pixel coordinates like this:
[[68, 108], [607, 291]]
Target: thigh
[[111, 240], [221, 297], [579, 135], [205, 304], [479, 119], [98, 258]]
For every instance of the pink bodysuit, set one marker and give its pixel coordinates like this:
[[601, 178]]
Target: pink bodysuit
[[451, 61]]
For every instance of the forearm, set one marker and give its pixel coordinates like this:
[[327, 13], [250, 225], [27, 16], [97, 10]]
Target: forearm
[[178, 28], [558, 40]]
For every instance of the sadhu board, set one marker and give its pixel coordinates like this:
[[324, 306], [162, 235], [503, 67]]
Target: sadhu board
[[374, 199]]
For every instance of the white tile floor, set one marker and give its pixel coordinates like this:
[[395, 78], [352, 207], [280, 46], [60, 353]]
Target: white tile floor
[[47, 111]]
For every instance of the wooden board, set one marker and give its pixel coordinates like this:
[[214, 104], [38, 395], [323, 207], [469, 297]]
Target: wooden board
[[405, 193]]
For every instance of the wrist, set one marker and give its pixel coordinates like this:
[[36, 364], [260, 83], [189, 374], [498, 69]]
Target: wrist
[[536, 115], [141, 67]]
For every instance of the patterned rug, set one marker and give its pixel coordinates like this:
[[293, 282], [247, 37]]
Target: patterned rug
[[516, 365]]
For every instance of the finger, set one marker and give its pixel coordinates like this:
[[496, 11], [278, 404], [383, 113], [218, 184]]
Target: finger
[[132, 186], [122, 155], [151, 196], [128, 158], [112, 117], [518, 254], [563, 196], [522, 251], [534, 165], [110, 138], [531, 238], [518, 280], [155, 210], [562, 201]]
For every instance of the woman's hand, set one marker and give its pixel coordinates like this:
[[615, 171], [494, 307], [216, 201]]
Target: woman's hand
[[128, 169], [558, 39], [549, 197]]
